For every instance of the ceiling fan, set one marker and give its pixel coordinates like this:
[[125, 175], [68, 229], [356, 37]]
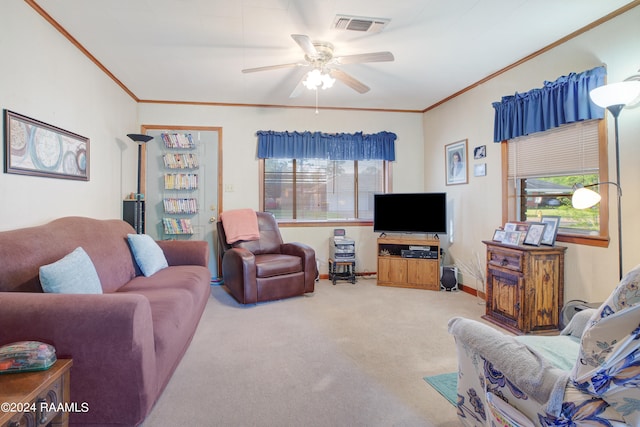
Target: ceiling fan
[[319, 56]]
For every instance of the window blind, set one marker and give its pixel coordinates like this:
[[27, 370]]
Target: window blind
[[571, 149]]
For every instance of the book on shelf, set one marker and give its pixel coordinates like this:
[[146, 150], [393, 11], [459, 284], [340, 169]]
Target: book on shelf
[[177, 226], [180, 160], [180, 181], [180, 206], [178, 140]]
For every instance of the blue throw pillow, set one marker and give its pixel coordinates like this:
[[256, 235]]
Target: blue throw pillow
[[73, 274], [147, 253]]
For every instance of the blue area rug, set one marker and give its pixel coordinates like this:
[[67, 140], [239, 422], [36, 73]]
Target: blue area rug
[[446, 385]]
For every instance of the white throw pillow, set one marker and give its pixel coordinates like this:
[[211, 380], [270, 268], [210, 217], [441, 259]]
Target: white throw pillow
[[147, 253], [73, 274]]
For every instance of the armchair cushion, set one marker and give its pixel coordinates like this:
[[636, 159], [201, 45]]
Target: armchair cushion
[[269, 265]]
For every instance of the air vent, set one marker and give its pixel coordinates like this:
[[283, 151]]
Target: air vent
[[359, 23]]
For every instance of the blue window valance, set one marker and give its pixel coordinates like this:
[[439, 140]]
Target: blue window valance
[[565, 100], [318, 145]]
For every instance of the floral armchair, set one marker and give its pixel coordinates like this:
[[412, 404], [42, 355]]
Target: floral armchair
[[588, 375]]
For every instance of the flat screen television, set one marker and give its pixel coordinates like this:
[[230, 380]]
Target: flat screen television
[[410, 213]]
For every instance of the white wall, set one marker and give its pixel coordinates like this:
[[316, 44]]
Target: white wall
[[591, 272], [240, 164], [47, 78]]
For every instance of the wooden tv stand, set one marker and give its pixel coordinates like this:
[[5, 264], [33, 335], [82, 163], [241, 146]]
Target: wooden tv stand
[[406, 272]]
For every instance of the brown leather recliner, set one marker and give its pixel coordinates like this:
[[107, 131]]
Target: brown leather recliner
[[266, 269]]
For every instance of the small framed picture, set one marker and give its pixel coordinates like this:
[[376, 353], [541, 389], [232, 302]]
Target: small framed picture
[[510, 226], [480, 152], [498, 235], [551, 229], [535, 233], [480, 169], [512, 237]]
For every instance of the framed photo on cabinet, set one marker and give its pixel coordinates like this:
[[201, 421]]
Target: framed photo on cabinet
[[551, 230], [535, 233], [456, 163]]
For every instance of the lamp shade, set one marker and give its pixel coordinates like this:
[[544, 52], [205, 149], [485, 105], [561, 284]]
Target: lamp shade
[[584, 198], [139, 138], [621, 93]]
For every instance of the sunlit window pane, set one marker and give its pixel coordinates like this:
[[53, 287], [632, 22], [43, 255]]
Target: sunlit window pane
[[551, 196], [311, 189], [320, 189], [278, 187], [370, 182]]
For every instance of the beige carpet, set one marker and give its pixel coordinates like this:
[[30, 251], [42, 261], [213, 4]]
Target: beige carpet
[[346, 355]]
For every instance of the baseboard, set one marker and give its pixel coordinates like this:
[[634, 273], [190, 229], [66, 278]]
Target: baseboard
[[370, 273]]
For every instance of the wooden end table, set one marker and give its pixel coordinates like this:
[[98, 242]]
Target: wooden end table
[[32, 398]]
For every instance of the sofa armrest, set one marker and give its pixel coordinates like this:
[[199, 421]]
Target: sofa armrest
[[309, 265], [239, 272], [110, 338], [527, 370], [185, 252]]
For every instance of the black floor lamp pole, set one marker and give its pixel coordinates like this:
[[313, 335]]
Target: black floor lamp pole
[[139, 214]]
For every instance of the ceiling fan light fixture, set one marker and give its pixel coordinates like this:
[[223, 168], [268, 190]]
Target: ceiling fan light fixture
[[318, 79]]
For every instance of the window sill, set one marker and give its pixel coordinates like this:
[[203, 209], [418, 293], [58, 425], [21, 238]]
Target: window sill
[[598, 241], [325, 223]]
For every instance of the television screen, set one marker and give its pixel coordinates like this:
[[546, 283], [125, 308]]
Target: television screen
[[410, 213]]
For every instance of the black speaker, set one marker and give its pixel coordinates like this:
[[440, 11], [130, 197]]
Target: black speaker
[[449, 279]]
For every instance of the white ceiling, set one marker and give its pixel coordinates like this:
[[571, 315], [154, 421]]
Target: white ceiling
[[194, 50]]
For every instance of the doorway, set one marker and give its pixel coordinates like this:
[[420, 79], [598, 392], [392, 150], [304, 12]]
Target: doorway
[[182, 166]]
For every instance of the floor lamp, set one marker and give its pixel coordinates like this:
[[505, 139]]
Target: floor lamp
[[139, 215], [613, 97]]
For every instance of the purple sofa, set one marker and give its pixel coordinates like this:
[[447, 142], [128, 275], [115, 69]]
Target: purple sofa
[[125, 343]]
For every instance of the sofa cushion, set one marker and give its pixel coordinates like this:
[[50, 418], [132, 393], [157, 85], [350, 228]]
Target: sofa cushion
[[147, 254], [177, 298], [269, 265], [73, 274]]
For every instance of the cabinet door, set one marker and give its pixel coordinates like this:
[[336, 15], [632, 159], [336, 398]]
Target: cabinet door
[[423, 273], [392, 270], [542, 288], [504, 293]]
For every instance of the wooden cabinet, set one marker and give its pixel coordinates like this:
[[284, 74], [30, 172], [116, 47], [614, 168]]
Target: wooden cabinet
[[525, 287], [394, 269], [36, 398]]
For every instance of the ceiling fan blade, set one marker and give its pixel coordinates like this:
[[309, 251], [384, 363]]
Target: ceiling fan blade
[[273, 67], [306, 44], [350, 81], [365, 57]]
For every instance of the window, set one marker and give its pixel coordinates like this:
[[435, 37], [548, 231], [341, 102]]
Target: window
[[321, 189], [541, 171]]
